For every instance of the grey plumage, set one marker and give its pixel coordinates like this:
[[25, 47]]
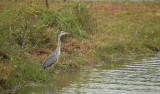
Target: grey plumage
[[53, 57]]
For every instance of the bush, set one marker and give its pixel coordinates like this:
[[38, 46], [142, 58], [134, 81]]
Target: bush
[[29, 27]]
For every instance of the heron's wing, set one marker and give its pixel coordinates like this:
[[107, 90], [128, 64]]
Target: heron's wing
[[51, 59]]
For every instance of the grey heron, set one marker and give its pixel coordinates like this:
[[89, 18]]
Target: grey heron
[[53, 57]]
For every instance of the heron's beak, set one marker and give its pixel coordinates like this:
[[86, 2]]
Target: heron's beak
[[67, 33]]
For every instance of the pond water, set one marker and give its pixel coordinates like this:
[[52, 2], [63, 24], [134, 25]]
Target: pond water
[[123, 76]]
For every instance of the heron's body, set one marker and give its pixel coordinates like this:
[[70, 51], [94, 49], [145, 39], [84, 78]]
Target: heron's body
[[53, 57]]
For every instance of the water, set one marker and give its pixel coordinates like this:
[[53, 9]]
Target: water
[[122, 76]]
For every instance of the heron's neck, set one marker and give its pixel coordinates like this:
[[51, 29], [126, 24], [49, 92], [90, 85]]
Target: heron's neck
[[59, 43]]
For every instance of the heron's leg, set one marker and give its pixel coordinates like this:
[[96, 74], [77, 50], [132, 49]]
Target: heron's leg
[[51, 72], [52, 69]]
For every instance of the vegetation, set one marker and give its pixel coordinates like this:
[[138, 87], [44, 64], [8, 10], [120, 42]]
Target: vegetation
[[101, 30]]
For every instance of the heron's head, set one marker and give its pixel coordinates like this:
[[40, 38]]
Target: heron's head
[[63, 33]]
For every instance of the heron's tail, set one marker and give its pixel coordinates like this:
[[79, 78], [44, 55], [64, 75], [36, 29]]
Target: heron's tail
[[43, 66]]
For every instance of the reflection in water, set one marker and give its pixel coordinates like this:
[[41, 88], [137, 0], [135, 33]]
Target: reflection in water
[[45, 89], [137, 76]]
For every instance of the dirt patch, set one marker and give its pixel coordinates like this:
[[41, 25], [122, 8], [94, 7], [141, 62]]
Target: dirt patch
[[71, 44], [41, 52], [116, 7]]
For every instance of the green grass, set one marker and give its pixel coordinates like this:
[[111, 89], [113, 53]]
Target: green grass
[[28, 34], [28, 27], [129, 32]]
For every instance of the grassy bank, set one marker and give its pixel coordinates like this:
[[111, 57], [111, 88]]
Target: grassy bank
[[99, 31], [129, 28]]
